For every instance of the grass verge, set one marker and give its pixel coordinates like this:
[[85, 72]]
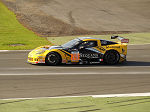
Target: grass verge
[[78, 104], [135, 38], [15, 36]]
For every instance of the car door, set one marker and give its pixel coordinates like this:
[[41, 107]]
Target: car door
[[88, 52]]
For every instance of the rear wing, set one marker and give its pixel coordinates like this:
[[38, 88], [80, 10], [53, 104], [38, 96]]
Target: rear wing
[[123, 40]]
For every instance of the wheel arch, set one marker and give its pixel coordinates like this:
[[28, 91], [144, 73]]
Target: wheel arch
[[109, 51], [112, 50], [56, 53]]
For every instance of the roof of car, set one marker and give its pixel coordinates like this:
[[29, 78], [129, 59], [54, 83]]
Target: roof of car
[[82, 38]]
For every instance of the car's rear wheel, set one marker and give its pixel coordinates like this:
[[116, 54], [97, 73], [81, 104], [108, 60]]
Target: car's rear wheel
[[111, 57], [53, 58]]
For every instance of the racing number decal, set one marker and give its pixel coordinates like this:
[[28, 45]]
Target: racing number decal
[[75, 56]]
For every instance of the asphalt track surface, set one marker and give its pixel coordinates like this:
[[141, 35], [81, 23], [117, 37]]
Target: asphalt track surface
[[19, 79]]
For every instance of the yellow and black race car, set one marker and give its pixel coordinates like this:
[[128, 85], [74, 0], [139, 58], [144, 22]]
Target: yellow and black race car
[[82, 50]]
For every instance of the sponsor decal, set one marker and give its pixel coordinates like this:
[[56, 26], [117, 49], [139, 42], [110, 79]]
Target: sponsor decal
[[41, 61], [112, 46], [125, 41], [101, 48], [30, 59], [89, 55], [63, 61], [75, 56], [100, 59]]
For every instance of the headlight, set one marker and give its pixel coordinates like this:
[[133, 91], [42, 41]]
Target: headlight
[[41, 57], [40, 52]]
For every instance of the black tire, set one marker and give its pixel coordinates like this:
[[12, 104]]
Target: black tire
[[53, 58], [111, 57]]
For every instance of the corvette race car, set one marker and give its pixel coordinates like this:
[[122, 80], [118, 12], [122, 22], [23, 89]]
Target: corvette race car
[[82, 50]]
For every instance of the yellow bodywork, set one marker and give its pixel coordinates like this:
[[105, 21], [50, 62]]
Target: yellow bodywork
[[39, 54]]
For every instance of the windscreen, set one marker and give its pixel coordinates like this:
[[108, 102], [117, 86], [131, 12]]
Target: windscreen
[[71, 43]]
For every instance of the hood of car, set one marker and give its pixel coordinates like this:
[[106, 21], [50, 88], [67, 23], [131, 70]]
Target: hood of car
[[55, 47], [42, 49]]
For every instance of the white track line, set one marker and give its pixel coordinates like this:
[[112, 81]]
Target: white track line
[[94, 96], [71, 73], [140, 44], [4, 50], [121, 95], [14, 50], [73, 67]]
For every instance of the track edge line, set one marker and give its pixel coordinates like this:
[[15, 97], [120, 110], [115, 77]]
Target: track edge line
[[94, 96]]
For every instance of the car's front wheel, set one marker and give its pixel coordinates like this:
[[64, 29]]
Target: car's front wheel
[[53, 58], [111, 57]]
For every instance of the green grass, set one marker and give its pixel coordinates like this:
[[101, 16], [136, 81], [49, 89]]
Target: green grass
[[12, 32], [78, 104], [135, 38]]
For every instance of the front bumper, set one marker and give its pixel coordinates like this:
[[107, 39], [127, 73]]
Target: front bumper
[[36, 60]]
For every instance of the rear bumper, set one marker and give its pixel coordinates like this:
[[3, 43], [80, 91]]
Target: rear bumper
[[122, 58]]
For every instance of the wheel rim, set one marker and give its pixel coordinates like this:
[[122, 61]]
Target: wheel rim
[[112, 58], [52, 58]]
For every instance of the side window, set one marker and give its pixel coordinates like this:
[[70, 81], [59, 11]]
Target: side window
[[89, 44], [105, 42]]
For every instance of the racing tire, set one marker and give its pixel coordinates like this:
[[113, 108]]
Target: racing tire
[[111, 57], [53, 58]]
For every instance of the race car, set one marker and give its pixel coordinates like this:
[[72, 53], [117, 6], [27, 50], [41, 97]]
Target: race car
[[82, 50]]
